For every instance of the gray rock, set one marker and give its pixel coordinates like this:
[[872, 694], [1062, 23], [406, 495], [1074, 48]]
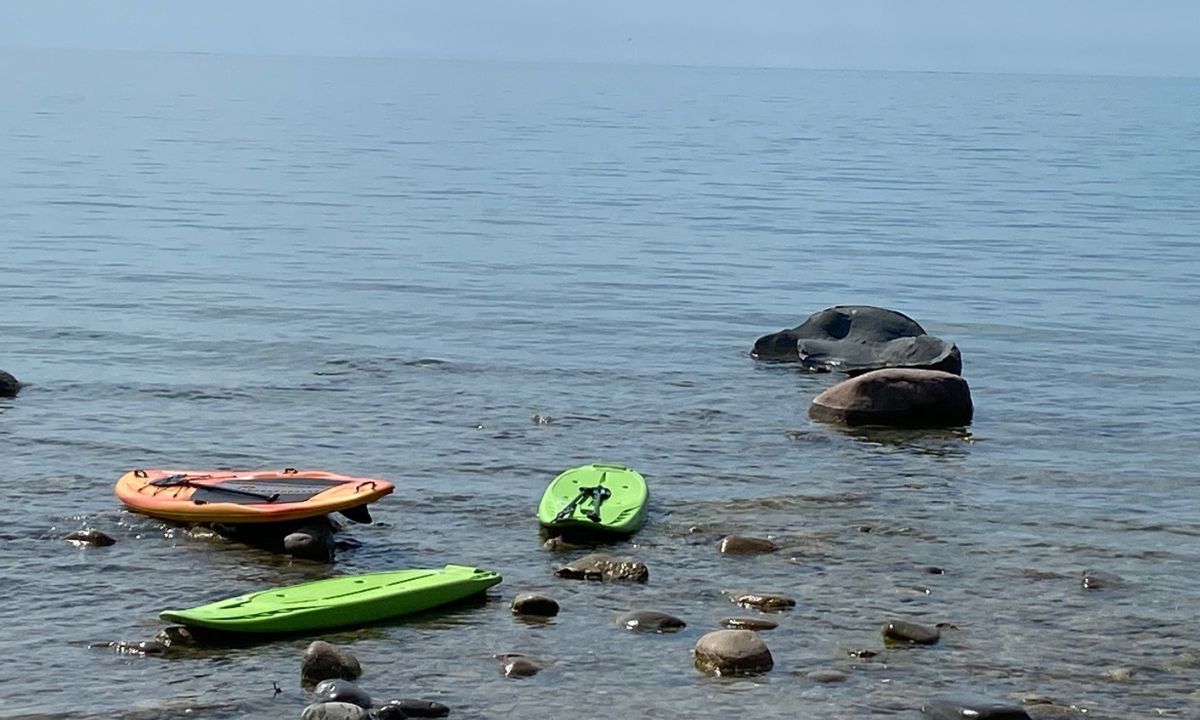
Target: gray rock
[[741, 545], [9, 386], [333, 711], [339, 690], [323, 661], [534, 604], [1121, 674], [598, 566], [826, 676], [94, 538], [958, 707], [766, 602], [857, 339], [756, 624], [411, 708], [906, 632], [145, 647], [650, 621], [897, 398], [732, 652]]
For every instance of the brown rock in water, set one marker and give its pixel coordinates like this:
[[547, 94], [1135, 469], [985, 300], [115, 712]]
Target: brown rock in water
[[94, 538], [534, 604], [755, 624], [650, 621], [411, 708], [323, 661], [907, 632], [334, 711], [732, 652], [764, 601], [9, 386], [175, 635], [741, 545], [897, 398], [598, 566]]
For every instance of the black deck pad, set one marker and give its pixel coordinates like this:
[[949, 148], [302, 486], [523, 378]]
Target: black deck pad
[[290, 490]]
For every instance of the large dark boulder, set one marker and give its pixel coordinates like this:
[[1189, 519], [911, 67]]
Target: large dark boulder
[[859, 338], [9, 386], [897, 397]]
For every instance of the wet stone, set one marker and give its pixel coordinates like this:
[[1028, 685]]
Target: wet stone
[[741, 545], [411, 708], [906, 632], [333, 711], [862, 653], [599, 566], [1120, 674], [976, 708], [650, 621], [93, 538], [935, 570], [732, 652], [826, 676], [323, 661], [765, 601], [534, 604], [339, 690], [756, 624]]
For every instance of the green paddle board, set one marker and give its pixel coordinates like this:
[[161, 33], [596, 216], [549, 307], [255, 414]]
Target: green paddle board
[[595, 498], [337, 602]]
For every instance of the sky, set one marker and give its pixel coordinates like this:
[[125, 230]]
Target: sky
[[1102, 37]]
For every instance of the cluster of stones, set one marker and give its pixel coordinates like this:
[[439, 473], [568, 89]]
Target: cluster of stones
[[900, 376]]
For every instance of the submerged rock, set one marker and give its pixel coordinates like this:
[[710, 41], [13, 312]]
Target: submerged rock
[[732, 652], [323, 661], [145, 647], [333, 711], [741, 545], [308, 539], [897, 398], [766, 602], [756, 624], [94, 538], [410, 708], [534, 604], [339, 690], [961, 707], [650, 621], [1100, 580], [9, 386], [857, 339], [907, 632], [826, 676], [598, 566]]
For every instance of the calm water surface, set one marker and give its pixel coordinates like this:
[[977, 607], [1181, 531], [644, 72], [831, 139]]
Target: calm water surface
[[387, 267]]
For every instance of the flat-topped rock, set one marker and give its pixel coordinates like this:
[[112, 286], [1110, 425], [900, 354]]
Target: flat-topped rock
[[897, 398], [599, 566], [968, 707], [732, 652]]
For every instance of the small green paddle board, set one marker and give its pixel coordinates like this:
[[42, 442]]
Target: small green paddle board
[[598, 498], [337, 602]]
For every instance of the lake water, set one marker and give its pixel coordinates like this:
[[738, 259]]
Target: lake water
[[387, 267]]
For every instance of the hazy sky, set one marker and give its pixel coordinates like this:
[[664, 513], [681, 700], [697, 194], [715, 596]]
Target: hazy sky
[[1154, 37]]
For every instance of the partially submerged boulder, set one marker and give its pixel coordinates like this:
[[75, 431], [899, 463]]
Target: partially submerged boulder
[[732, 652], [897, 397], [9, 386], [859, 338], [598, 566]]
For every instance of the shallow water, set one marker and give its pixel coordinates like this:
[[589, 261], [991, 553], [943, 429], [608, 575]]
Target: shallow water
[[387, 267]]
